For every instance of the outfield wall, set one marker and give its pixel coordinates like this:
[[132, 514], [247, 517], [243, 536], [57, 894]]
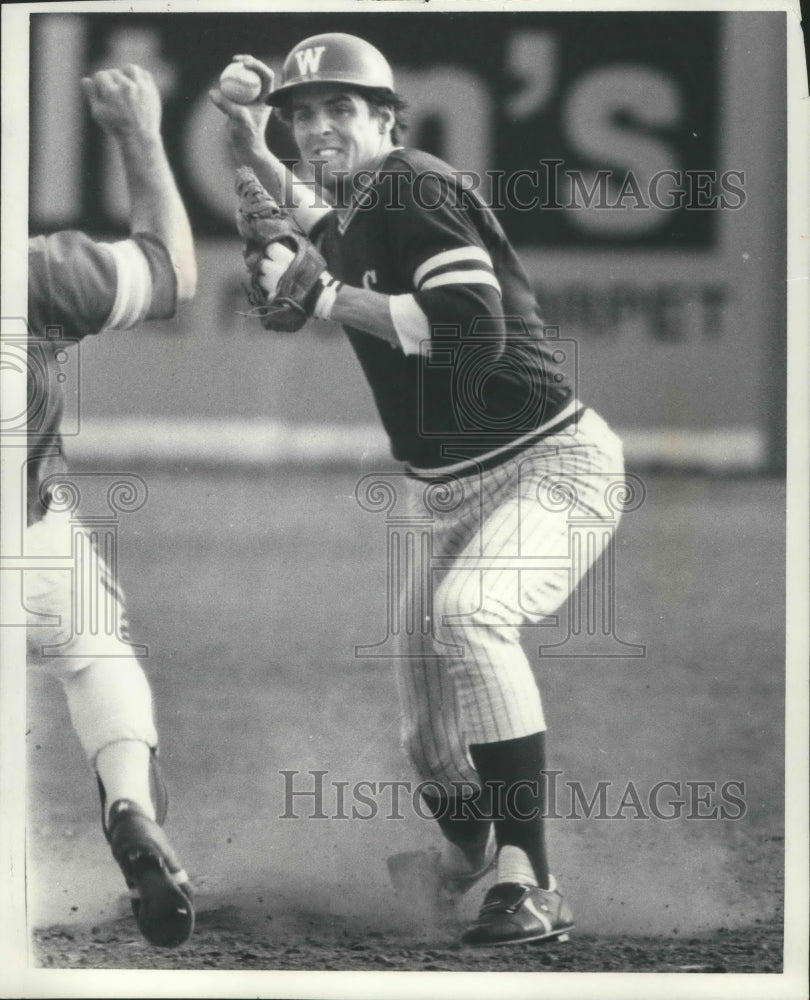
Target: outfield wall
[[666, 285]]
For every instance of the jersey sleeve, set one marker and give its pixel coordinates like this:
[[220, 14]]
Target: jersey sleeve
[[86, 287], [146, 285], [163, 274], [441, 256], [71, 283]]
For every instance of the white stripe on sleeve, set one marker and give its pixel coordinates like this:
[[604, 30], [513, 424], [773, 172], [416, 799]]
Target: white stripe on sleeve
[[462, 278], [410, 323], [449, 257], [133, 286]]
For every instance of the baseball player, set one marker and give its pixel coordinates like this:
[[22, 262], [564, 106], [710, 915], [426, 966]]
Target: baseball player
[[87, 287], [437, 307]]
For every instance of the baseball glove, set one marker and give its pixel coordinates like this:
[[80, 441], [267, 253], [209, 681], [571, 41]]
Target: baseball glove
[[261, 222]]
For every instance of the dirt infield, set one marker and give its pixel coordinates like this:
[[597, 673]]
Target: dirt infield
[[252, 594], [226, 940]]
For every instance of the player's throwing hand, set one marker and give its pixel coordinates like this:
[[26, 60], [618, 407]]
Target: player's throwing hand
[[247, 122]]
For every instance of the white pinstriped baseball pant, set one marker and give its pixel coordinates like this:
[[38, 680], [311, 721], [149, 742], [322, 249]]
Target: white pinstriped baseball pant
[[466, 678]]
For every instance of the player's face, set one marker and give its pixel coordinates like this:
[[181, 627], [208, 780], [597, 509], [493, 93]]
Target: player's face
[[339, 129]]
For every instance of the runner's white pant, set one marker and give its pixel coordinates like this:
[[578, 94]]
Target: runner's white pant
[[465, 678], [76, 631]]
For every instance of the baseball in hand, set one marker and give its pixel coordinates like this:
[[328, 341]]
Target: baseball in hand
[[240, 84]]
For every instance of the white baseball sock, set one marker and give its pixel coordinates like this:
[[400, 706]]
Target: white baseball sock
[[514, 865], [124, 768]]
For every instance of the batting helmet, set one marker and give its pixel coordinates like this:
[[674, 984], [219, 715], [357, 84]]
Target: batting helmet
[[333, 58]]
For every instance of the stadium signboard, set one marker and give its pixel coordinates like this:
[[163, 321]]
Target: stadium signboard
[[637, 160]]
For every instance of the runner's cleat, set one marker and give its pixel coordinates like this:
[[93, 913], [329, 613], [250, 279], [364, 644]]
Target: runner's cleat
[[513, 913], [160, 894]]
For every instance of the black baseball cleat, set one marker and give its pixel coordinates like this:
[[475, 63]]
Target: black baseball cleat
[[513, 913], [160, 894]]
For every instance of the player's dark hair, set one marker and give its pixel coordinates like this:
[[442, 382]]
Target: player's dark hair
[[377, 98]]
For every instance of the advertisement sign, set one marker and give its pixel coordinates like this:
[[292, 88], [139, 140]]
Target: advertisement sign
[[636, 160]]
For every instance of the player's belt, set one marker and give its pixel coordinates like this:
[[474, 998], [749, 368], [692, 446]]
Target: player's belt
[[494, 458]]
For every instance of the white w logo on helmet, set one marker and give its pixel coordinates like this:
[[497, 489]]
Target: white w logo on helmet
[[309, 60]]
